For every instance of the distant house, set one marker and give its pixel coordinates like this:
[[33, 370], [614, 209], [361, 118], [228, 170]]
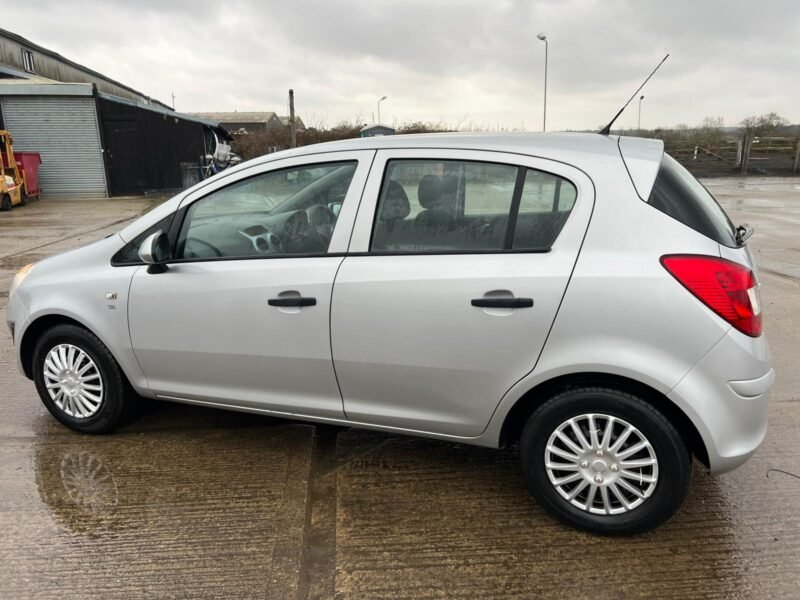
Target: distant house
[[247, 123]]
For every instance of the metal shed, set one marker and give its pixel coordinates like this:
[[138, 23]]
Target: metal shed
[[376, 130], [94, 145], [60, 122], [146, 145]]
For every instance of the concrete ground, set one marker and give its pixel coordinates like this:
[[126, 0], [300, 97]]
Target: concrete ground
[[188, 502]]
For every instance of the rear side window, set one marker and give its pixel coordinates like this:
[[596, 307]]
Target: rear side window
[[449, 206], [677, 193]]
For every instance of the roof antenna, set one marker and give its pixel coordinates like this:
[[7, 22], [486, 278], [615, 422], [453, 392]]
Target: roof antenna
[[607, 129]]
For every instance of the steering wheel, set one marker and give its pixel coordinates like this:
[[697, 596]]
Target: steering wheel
[[212, 247], [323, 220]]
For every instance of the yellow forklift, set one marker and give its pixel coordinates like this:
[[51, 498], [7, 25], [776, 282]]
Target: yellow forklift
[[11, 182]]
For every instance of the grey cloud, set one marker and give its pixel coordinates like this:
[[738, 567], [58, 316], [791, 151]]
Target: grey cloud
[[439, 60]]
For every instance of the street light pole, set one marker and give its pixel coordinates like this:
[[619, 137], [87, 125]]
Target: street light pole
[[639, 125], [379, 108], [543, 38]]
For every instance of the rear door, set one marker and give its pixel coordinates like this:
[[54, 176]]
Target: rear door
[[456, 268]]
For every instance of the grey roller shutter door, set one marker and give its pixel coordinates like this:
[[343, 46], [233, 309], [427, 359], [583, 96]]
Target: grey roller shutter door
[[64, 131]]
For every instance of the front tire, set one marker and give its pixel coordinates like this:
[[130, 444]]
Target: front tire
[[605, 461], [5, 202], [79, 381]]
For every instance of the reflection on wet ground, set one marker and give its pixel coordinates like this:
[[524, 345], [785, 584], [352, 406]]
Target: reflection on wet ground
[[191, 502], [204, 509], [188, 502]]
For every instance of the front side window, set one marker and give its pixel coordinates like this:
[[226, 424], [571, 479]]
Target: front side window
[[468, 206], [282, 213]]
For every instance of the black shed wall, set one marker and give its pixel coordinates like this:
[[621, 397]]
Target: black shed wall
[[144, 148]]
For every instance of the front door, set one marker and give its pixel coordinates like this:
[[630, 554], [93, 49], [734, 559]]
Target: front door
[[241, 315], [457, 266]]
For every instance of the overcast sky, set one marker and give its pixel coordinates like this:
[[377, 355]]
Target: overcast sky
[[455, 61]]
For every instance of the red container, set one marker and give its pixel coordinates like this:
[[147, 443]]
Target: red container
[[28, 165]]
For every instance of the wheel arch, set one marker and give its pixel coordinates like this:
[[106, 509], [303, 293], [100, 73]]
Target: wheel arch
[[36, 329], [518, 415]]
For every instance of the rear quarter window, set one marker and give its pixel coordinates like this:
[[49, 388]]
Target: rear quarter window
[[677, 193]]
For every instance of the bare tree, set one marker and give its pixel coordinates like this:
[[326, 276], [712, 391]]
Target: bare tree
[[757, 126], [762, 125], [422, 127], [712, 123], [710, 130]]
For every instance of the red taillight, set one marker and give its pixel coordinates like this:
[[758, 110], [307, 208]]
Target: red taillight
[[727, 288]]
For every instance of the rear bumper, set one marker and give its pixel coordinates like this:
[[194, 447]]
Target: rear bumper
[[726, 395]]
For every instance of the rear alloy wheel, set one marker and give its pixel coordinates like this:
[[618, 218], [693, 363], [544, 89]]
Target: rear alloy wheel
[[79, 381], [601, 464], [605, 460]]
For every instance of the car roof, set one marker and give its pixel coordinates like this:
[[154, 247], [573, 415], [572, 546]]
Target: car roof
[[573, 148]]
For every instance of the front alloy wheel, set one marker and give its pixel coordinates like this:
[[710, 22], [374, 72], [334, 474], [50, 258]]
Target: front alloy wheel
[[79, 381], [73, 381]]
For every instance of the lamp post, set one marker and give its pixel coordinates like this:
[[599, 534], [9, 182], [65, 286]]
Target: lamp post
[[543, 38], [639, 125], [379, 108]]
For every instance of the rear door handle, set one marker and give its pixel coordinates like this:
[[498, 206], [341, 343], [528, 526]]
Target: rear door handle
[[503, 302], [292, 301]]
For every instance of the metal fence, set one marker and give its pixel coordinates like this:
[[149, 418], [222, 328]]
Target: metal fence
[[748, 155]]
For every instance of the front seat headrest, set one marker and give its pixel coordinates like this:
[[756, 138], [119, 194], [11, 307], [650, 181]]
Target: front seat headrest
[[394, 203], [437, 192]]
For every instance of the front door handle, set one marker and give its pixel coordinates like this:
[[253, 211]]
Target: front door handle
[[295, 301], [503, 302]]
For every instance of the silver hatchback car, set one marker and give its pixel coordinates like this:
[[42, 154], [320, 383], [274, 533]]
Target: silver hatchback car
[[580, 295]]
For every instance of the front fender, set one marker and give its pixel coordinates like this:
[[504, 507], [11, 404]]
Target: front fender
[[83, 287]]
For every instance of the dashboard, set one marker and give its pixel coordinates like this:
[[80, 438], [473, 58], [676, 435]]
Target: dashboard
[[258, 233]]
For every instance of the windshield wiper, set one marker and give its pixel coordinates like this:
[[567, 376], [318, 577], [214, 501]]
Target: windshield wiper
[[743, 233]]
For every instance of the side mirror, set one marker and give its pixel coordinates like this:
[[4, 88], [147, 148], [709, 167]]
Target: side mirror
[[155, 252]]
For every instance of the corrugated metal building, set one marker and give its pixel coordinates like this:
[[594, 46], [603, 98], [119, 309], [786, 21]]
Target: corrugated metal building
[[63, 128], [97, 137]]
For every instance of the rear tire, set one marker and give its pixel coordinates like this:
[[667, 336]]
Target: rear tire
[[603, 487], [79, 381]]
